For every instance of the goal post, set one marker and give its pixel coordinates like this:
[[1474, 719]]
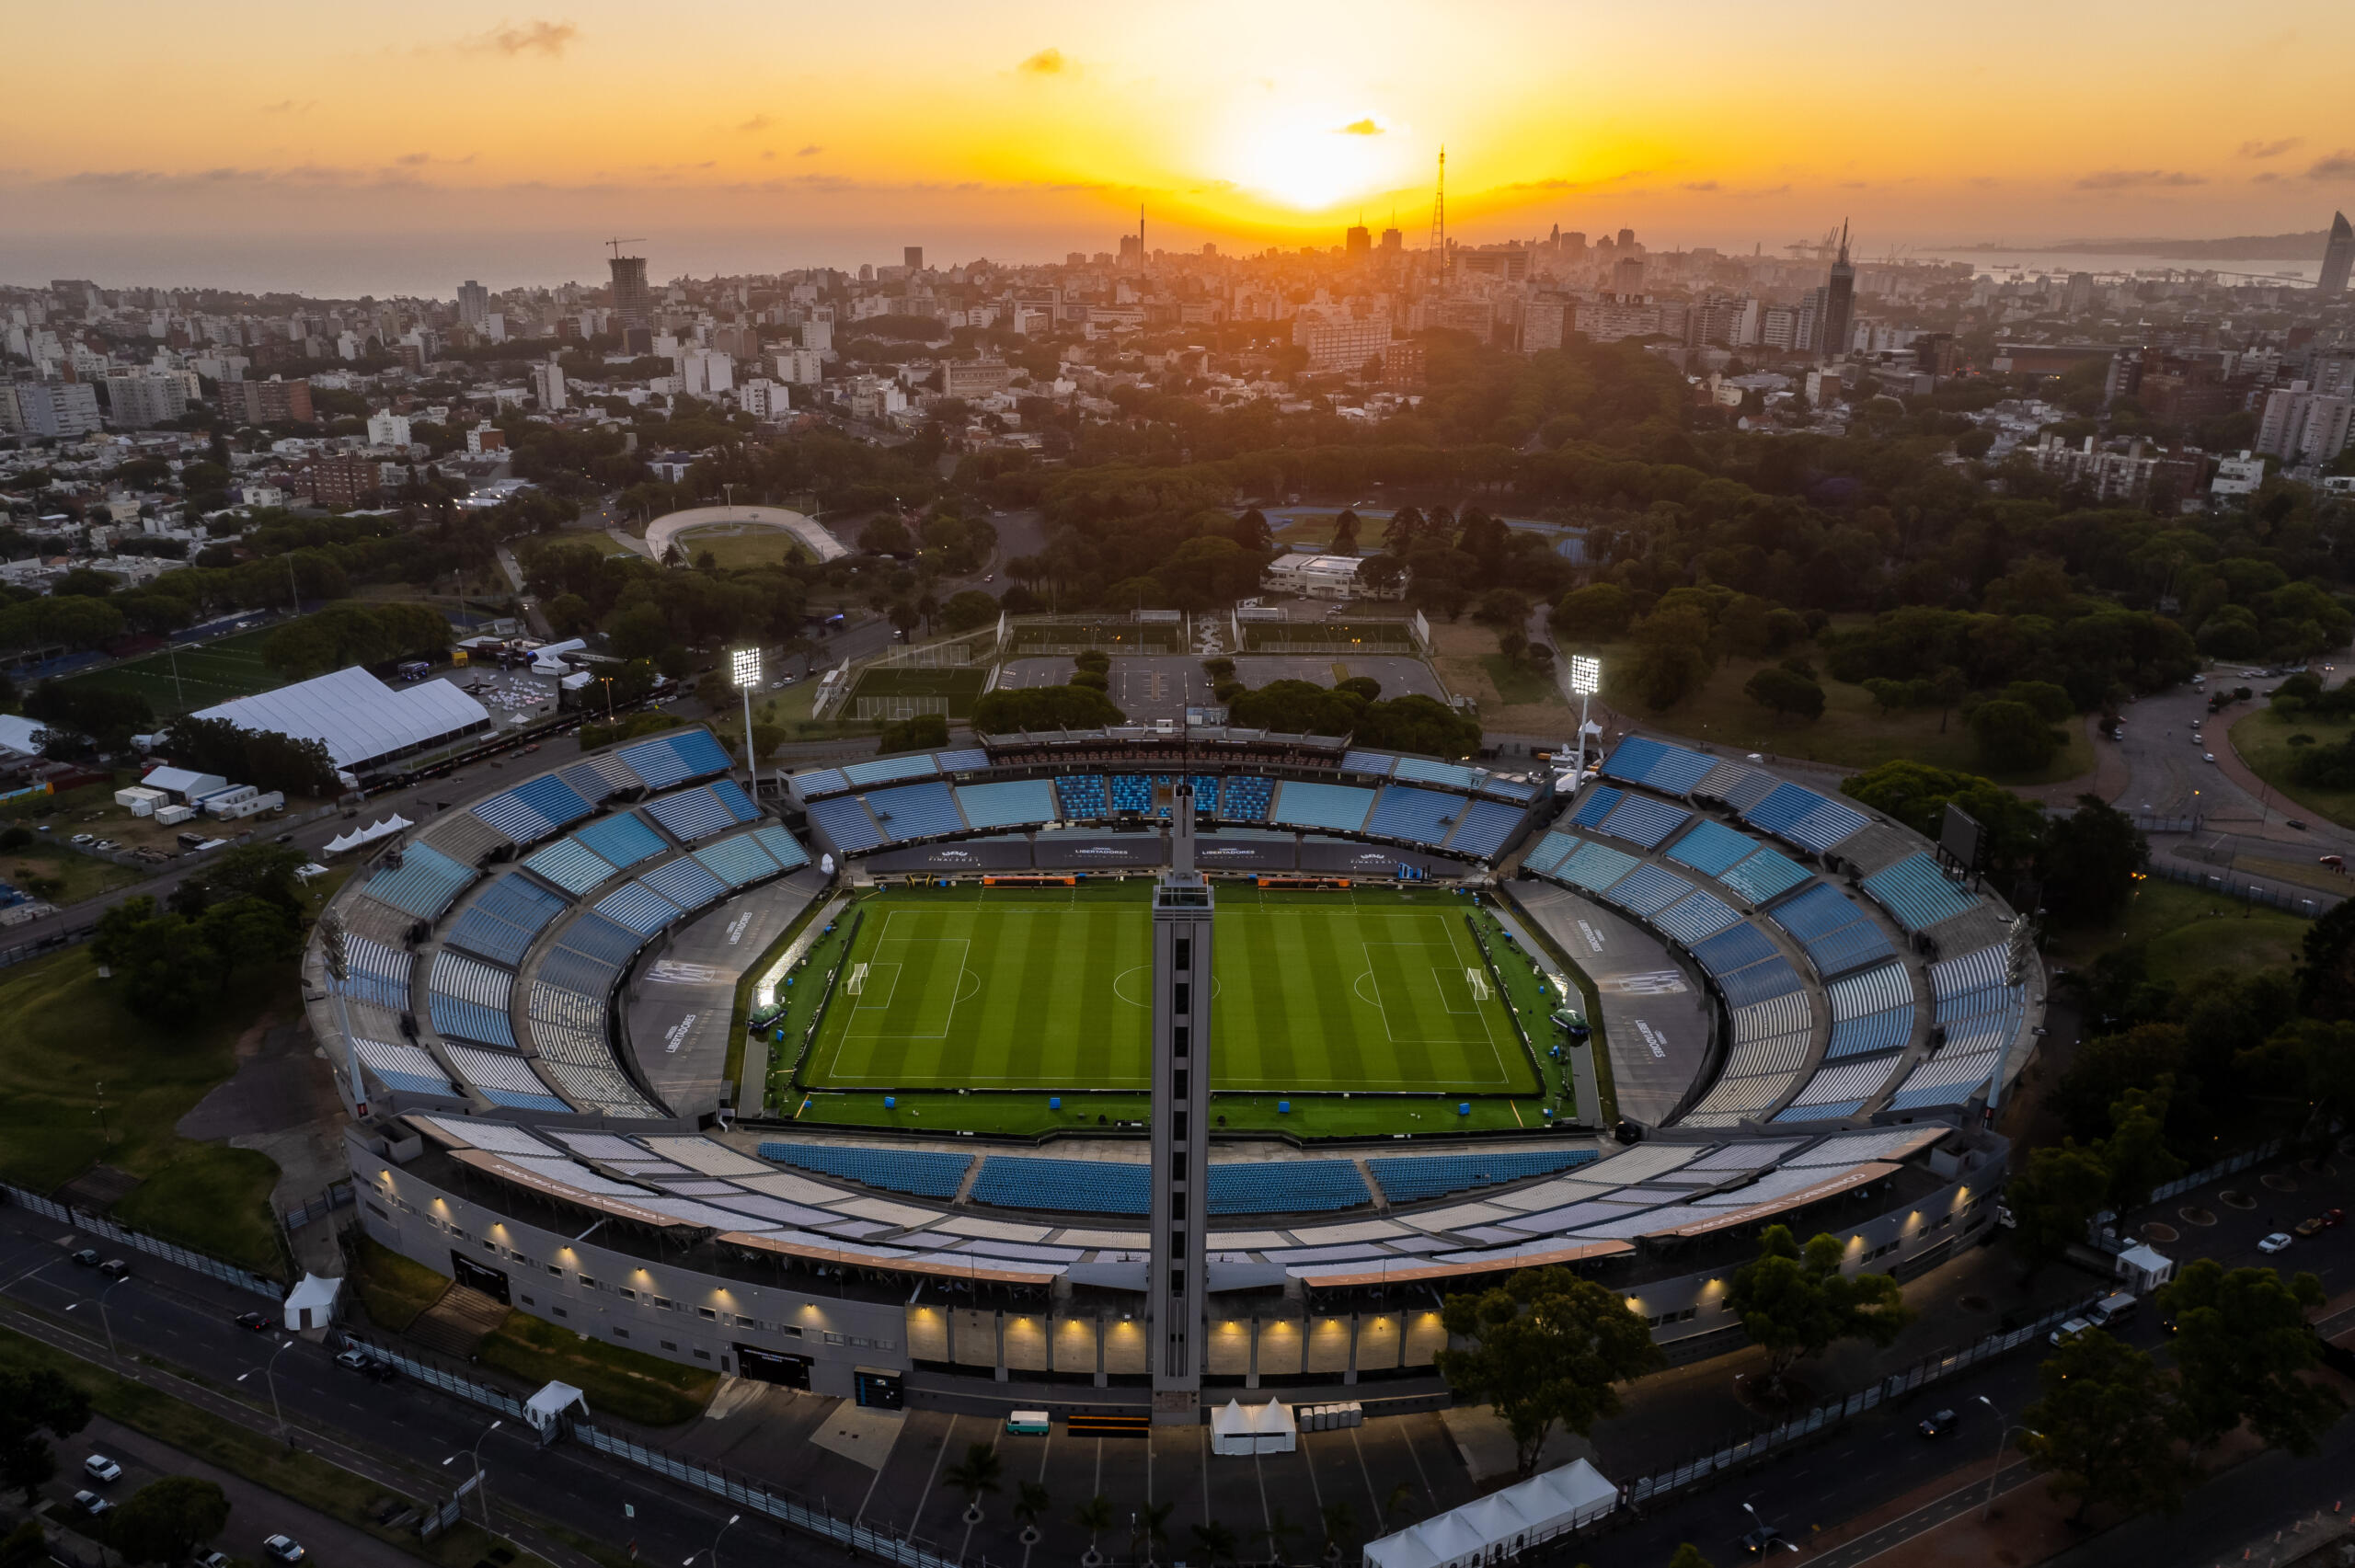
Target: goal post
[[1477, 981], [856, 981]]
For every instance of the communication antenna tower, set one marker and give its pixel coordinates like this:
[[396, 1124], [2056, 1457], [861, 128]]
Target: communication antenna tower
[[1439, 226]]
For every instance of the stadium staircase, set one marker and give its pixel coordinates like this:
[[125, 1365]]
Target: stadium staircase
[[458, 1322]]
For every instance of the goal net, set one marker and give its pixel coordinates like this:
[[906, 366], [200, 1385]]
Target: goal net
[[1478, 983], [856, 981]]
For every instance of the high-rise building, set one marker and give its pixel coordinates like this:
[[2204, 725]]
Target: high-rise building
[[2337, 258], [1839, 303], [1393, 242], [2299, 425], [912, 257], [547, 385], [270, 402], [1627, 239], [1358, 242], [473, 303], [633, 301], [64, 409], [140, 400]]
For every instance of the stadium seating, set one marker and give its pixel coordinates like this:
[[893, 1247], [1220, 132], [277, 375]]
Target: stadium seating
[[1816, 913], [623, 839], [1378, 763], [406, 1069], [914, 1172], [819, 782], [1848, 947], [593, 784], [533, 810], [1287, 1186], [1448, 776], [1205, 793], [374, 972], [503, 1080], [1918, 893], [1418, 816], [1734, 948], [739, 861], [425, 885], [1712, 848], [1483, 828], [1522, 791], [693, 814], [1745, 788], [454, 1017], [601, 940], [1414, 1179], [686, 883], [1245, 799], [1595, 867], [1885, 1031], [843, 819], [1647, 890], [1339, 808], [915, 811], [1694, 918], [1804, 817], [1083, 797], [675, 758], [1131, 792], [1599, 802], [1549, 852], [1759, 982], [1022, 803], [783, 847], [1766, 875], [1644, 821], [1633, 759], [1070, 1187], [889, 770], [571, 866], [639, 907], [1672, 769], [454, 974], [739, 804], [500, 925], [971, 761]]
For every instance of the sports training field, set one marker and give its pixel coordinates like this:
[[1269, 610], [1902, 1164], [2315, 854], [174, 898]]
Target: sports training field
[[207, 673], [1046, 989]]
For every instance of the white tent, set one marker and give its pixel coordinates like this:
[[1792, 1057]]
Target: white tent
[[310, 1304], [358, 718], [1238, 1428], [1501, 1523], [368, 835]]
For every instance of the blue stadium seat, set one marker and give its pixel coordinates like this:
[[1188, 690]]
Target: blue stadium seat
[[1884, 1031], [533, 810], [691, 814], [1759, 982], [1131, 792], [685, 884], [699, 754], [1734, 948], [915, 811], [1647, 890], [914, 1172], [1447, 775], [971, 761], [1598, 803], [1419, 816], [1634, 758], [783, 847], [1828, 826], [465, 1020], [1070, 1186], [843, 819], [1414, 1178], [1245, 799], [1765, 874], [660, 763], [739, 804], [739, 861], [1848, 948], [425, 885], [376, 972], [623, 839], [1820, 910], [1701, 916], [889, 770], [1678, 770], [1287, 1186], [1548, 854], [1712, 848], [502, 924], [1376, 762], [1483, 828], [1645, 821], [1084, 798], [1018, 803], [1918, 893], [571, 866], [1340, 808], [1205, 793], [639, 907], [1595, 867]]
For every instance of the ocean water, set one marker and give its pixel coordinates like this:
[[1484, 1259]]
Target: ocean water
[[2031, 262]]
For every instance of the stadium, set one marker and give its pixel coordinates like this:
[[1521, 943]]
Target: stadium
[[848, 1083]]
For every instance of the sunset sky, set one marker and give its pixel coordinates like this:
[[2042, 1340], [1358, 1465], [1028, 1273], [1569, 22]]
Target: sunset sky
[[172, 132]]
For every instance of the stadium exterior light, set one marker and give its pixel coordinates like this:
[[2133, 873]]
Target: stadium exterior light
[[744, 669], [1585, 679]]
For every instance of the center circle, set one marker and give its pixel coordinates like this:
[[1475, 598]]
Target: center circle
[[1120, 981]]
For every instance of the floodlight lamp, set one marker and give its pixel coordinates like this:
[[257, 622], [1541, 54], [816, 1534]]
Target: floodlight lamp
[[744, 664], [1586, 674]]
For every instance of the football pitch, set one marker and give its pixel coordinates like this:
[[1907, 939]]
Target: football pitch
[[194, 675], [1042, 989]]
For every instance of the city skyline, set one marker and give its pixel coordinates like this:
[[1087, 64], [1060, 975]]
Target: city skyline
[[1022, 137]]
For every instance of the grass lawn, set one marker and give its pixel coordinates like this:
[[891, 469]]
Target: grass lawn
[[618, 1381], [1517, 683], [86, 876], [196, 675], [293, 1473], [737, 544], [1317, 994], [2191, 932], [67, 1034], [1511, 700], [1852, 733], [2262, 739], [394, 1289]]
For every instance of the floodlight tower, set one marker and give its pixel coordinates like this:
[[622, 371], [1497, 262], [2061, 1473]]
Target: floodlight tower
[[744, 669], [1585, 679], [1177, 1288]]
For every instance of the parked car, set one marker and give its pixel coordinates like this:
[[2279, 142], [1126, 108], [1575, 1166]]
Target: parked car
[[212, 1560], [2277, 1243], [106, 844], [2314, 1227], [2297, 822], [2207, 756], [83, 838], [115, 1268], [99, 1468], [88, 1257], [1939, 1424], [90, 1502], [282, 1549], [2069, 1331]]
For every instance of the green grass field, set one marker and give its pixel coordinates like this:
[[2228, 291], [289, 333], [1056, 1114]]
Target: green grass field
[[208, 673], [1042, 990]]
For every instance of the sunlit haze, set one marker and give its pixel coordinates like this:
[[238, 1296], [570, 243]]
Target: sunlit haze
[[293, 145]]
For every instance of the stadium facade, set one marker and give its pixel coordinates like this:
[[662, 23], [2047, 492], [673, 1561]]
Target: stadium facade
[[1808, 1012]]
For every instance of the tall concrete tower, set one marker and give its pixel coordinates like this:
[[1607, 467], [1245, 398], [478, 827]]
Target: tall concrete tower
[[1178, 1290], [2337, 258]]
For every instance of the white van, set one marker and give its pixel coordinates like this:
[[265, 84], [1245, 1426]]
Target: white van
[[2115, 1308], [1027, 1423]]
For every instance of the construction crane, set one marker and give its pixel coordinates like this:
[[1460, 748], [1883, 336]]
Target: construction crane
[[617, 244]]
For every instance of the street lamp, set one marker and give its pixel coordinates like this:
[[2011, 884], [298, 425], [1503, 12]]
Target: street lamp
[[2007, 1429], [475, 1454], [744, 669], [104, 1322], [270, 1376], [714, 1547], [1585, 679]]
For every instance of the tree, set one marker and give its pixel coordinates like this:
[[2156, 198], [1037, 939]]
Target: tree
[[2241, 1347], [1340, 1527], [2011, 829], [1688, 1556], [1672, 655], [1030, 1504], [885, 536], [1784, 692], [1794, 1303], [1380, 575], [1599, 613], [2013, 737], [1345, 533], [1095, 1516], [1216, 1541], [2312, 1061], [158, 956], [969, 610], [925, 732], [2054, 1200], [34, 1407], [975, 1474], [170, 1518], [2089, 861], [1546, 1348], [642, 631], [2135, 1153], [1281, 1533], [2326, 967], [2104, 1427], [1005, 712], [1150, 1528]]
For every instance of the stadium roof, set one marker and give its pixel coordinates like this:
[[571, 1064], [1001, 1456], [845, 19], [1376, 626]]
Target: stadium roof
[[358, 718]]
